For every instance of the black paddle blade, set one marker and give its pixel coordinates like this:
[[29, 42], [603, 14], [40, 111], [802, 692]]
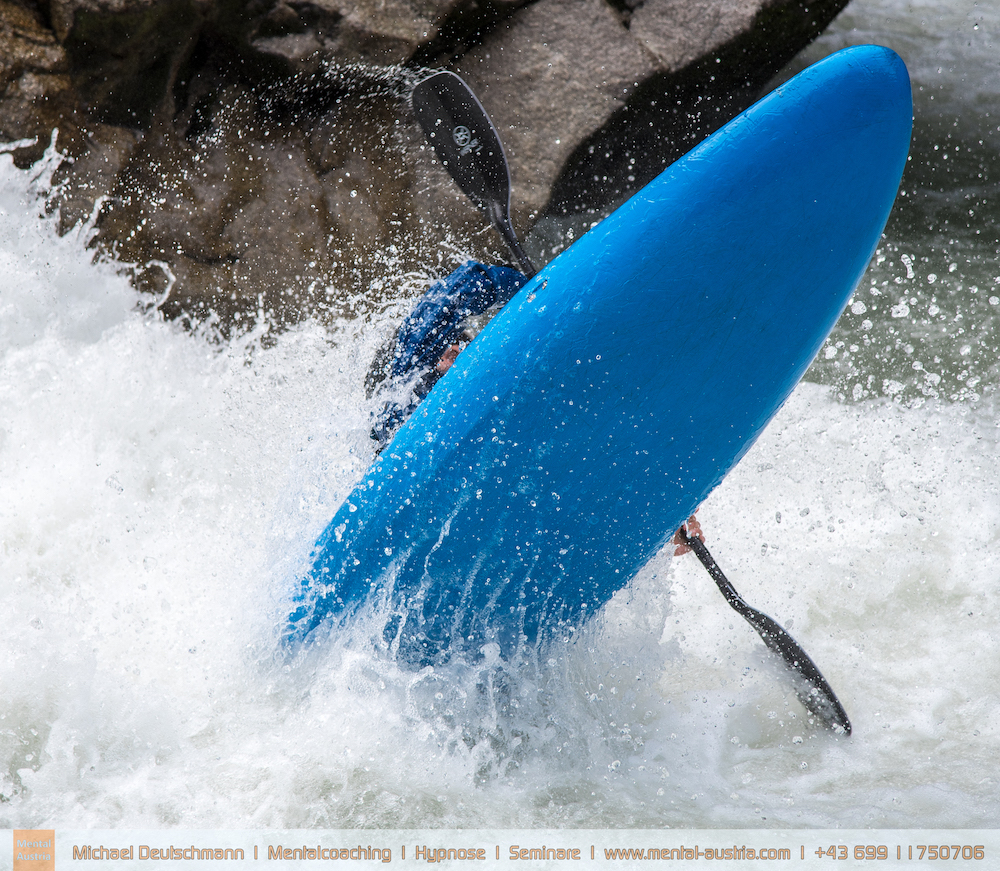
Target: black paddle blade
[[465, 140], [467, 143], [812, 689]]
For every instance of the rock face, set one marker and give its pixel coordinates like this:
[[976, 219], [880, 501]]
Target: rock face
[[550, 79], [248, 154]]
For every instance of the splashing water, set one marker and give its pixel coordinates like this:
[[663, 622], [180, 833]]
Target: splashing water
[[160, 488]]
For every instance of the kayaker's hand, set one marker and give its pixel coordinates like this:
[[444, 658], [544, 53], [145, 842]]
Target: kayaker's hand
[[447, 358], [693, 528]]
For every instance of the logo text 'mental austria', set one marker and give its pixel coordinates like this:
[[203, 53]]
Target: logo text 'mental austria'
[[34, 850]]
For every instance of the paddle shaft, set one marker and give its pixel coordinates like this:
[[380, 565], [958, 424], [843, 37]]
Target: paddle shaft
[[503, 224]]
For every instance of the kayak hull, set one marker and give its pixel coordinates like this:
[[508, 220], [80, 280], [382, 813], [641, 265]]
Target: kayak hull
[[624, 381]]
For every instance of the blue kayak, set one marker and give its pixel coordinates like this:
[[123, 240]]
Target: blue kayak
[[623, 382]]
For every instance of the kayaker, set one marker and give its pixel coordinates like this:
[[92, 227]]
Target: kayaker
[[431, 338]]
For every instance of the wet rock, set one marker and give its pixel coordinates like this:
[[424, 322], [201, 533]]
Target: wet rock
[[372, 31], [33, 79], [686, 100], [543, 96], [678, 32], [251, 155]]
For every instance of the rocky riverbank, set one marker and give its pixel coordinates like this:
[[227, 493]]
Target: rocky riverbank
[[260, 154]]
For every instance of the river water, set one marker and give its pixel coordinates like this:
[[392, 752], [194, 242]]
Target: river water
[[157, 489]]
